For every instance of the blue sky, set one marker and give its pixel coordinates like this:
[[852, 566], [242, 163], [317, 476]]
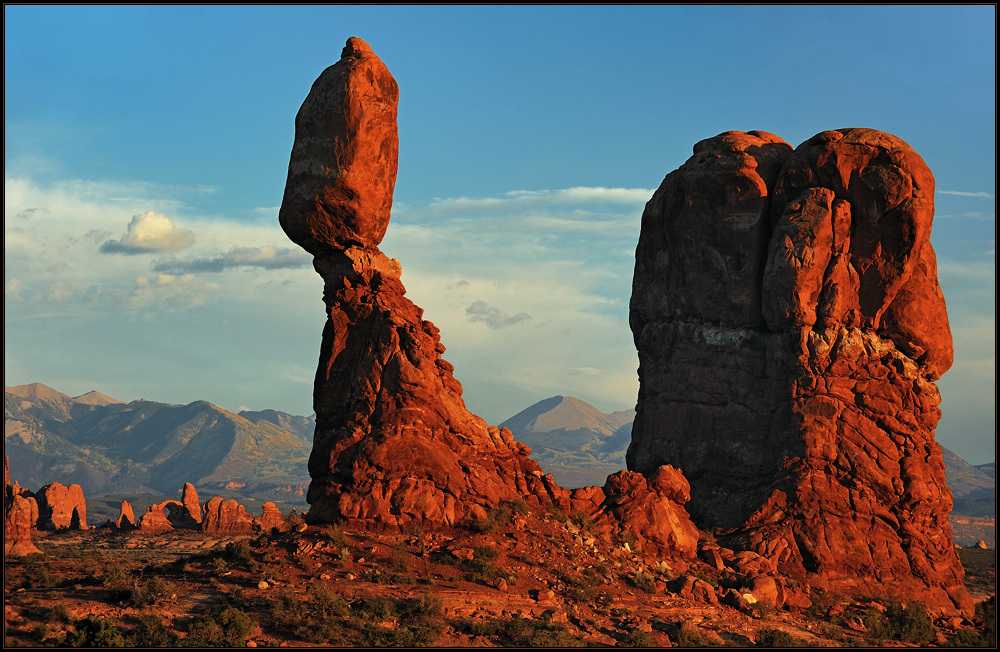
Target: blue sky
[[146, 150]]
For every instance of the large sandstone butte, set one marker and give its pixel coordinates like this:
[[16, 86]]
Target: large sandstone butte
[[394, 442], [790, 327]]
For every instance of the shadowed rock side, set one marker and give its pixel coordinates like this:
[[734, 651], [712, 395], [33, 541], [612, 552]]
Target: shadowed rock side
[[790, 326]]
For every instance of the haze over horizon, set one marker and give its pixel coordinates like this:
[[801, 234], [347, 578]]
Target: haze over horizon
[[146, 151]]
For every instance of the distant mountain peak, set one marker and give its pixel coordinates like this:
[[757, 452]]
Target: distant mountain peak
[[94, 397]]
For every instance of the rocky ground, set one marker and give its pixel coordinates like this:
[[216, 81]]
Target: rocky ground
[[517, 578]]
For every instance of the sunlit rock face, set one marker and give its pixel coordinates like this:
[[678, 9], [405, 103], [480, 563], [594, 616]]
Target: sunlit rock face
[[790, 328], [394, 442]]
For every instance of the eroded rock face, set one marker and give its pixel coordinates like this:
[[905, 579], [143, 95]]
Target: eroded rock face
[[61, 507], [790, 326], [126, 518], [192, 508], [393, 442]]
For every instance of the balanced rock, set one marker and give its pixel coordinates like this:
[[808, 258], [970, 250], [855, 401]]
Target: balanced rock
[[61, 507], [393, 442], [790, 325], [343, 166]]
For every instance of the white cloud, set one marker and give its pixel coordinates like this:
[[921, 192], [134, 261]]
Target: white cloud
[[150, 232]]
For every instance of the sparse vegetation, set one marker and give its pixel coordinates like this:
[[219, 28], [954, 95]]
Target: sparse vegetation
[[768, 637], [94, 632], [907, 623], [644, 582]]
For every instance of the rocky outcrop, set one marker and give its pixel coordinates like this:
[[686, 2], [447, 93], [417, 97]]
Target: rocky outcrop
[[126, 517], [61, 507], [20, 514], [651, 509], [192, 508], [790, 326], [226, 516], [155, 520], [271, 518], [394, 442]]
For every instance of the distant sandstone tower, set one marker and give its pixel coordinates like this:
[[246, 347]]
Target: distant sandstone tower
[[790, 327], [394, 442]]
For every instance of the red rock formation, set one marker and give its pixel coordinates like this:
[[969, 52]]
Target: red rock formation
[[226, 516], [652, 510], [20, 514], [270, 518], [790, 327], [192, 508], [126, 518], [155, 520], [343, 165], [61, 507], [393, 441]]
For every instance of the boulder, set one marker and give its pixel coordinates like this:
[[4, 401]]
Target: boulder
[[61, 507], [394, 442], [343, 165], [652, 510], [790, 328]]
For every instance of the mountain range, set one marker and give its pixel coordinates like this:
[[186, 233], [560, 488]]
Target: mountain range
[[111, 447]]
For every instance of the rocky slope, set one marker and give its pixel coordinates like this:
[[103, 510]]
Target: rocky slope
[[790, 328]]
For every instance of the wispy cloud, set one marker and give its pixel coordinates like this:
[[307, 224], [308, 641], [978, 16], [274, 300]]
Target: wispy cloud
[[266, 257], [965, 193], [149, 233], [480, 311]]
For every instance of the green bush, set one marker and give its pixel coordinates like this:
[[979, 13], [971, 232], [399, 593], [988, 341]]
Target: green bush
[[152, 592], [767, 637], [94, 632], [644, 582], [221, 626], [909, 624], [150, 631]]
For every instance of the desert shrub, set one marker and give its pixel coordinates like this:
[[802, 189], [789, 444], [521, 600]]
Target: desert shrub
[[41, 632], [324, 602], [482, 566], [708, 578], [116, 574], [639, 638], [374, 609], [220, 626], [582, 587], [558, 512], [152, 592], [94, 632], [36, 572], [59, 613], [688, 635], [286, 608], [768, 637], [239, 551], [643, 582], [524, 632], [399, 561], [149, 631], [335, 536], [909, 623], [582, 521]]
